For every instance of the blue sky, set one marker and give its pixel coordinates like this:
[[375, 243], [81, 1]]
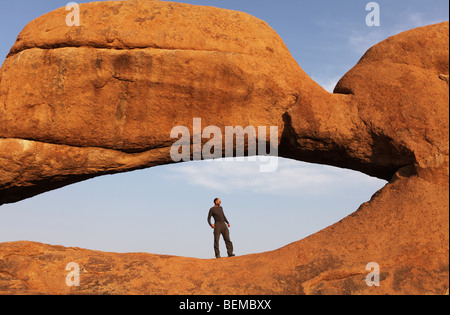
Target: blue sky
[[163, 210]]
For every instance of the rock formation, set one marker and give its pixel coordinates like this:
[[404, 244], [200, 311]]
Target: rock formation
[[102, 98]]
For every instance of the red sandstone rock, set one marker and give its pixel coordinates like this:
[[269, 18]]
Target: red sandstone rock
[[102, 98]]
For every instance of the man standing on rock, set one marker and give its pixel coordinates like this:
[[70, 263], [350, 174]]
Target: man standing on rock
[[220, 227]]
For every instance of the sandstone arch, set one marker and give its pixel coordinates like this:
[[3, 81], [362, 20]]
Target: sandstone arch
[[79, 102]]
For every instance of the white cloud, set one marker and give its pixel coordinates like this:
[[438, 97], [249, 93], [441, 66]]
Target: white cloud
[[291, 178], [362, 39], [413, 20], [327, 83], [361, 42]]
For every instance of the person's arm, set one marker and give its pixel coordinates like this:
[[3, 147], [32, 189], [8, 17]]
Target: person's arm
[[209, 218], [225, 218]]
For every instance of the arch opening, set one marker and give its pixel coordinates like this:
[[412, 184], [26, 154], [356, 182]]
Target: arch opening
[[163, 210]]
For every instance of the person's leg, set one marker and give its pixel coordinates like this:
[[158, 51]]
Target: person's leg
[[216, 241], [228, 243]]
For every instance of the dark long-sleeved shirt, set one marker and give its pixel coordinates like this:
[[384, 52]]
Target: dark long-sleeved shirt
[[218, 215]]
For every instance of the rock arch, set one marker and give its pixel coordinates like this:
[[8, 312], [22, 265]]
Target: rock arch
[[101, 98]]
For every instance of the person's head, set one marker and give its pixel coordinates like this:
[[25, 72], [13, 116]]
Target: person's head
[[217, 202]]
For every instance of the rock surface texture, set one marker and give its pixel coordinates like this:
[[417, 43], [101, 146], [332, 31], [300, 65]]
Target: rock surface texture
[[102, 98]]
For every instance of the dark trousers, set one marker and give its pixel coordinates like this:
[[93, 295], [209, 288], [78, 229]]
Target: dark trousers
[[222, 229]]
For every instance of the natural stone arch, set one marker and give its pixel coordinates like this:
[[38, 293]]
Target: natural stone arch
[[80, 102]]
